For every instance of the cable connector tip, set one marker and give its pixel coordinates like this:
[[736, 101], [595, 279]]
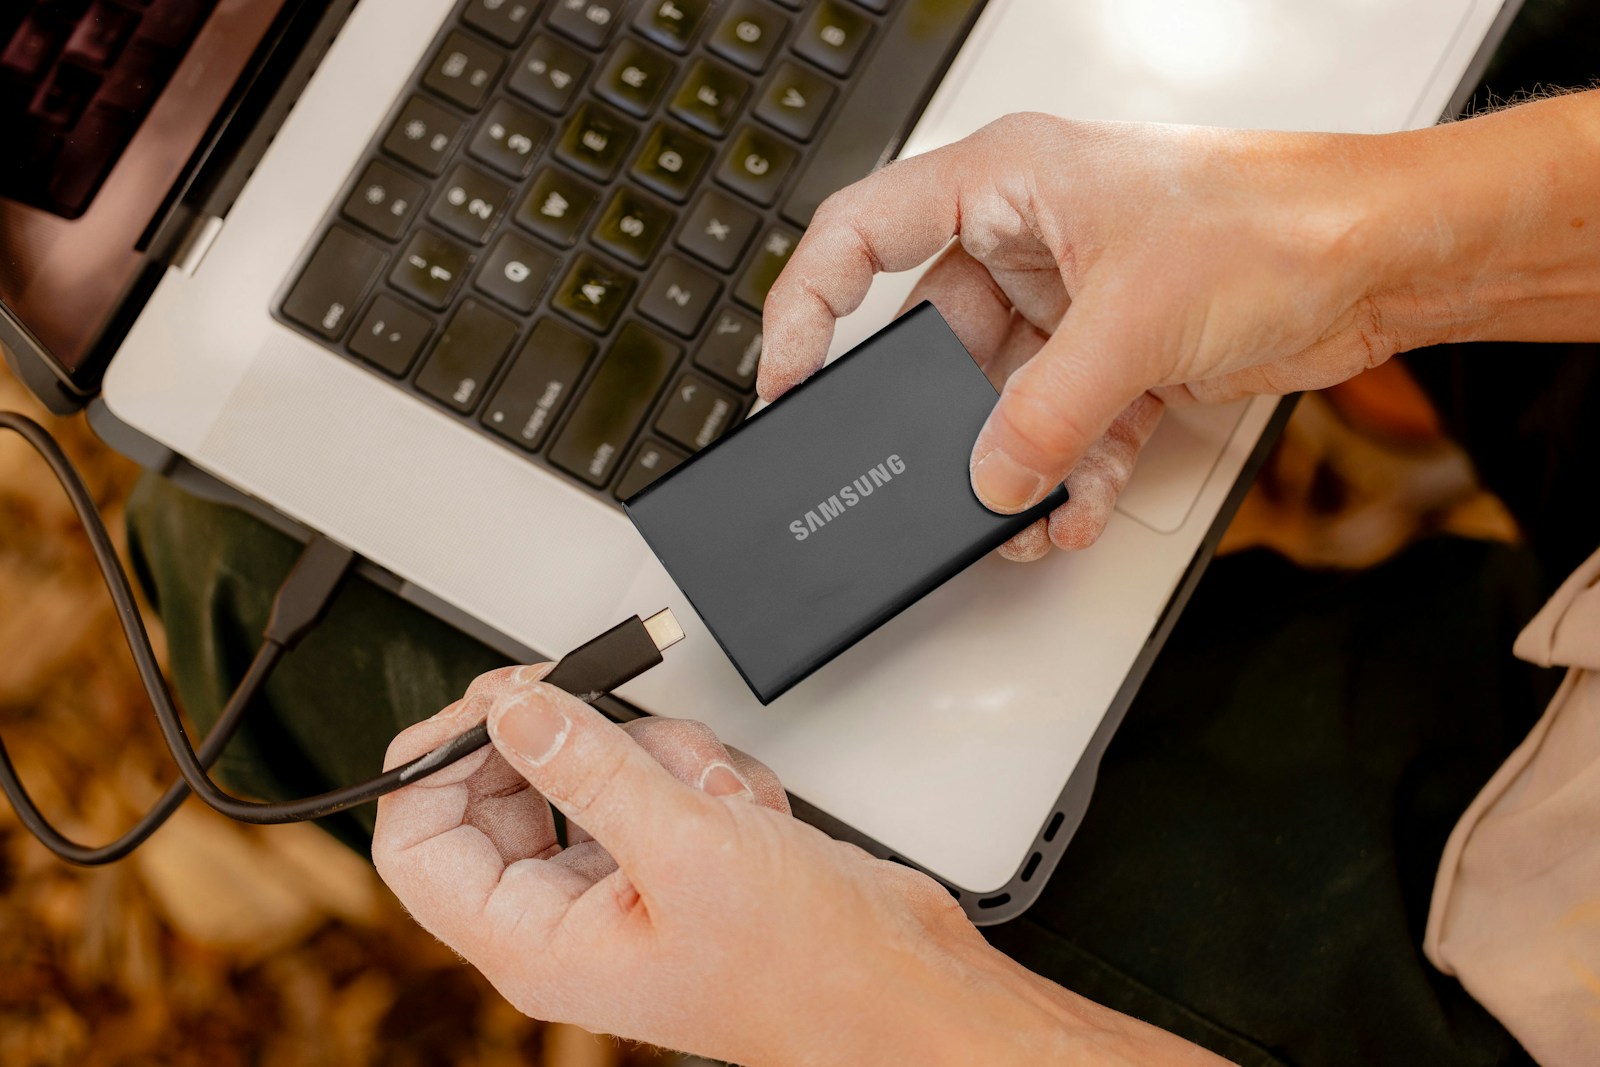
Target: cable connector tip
[[664, 629]]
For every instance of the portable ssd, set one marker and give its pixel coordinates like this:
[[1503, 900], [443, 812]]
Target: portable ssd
[[826, 514]]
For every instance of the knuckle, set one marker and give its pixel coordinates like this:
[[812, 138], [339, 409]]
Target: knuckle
[[1374, 335], [492, 682], [593, 780], [1034, 415], [834, 211]]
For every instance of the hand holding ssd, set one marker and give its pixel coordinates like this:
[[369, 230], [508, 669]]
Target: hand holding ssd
[[825, 515]]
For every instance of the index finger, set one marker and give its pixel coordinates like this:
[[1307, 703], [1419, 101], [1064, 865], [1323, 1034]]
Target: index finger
[[891, 220]]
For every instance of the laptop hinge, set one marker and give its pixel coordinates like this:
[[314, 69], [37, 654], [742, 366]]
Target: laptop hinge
[[196, 241]]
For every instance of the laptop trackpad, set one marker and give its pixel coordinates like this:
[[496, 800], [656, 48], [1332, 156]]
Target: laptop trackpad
[[1177, 462]]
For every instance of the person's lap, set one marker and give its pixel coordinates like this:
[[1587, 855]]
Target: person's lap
[[1255, 868]]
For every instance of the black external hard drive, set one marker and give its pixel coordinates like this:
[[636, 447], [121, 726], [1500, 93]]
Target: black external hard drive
[[822, 517]]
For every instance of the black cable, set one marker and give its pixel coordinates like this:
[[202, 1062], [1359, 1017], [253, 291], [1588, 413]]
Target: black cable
[[222, 732], [595, 668], [296, 609]]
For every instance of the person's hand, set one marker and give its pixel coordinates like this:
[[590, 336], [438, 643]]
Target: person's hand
[[1100, 269], [730, 928]]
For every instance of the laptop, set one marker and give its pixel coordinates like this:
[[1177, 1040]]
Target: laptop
[[447, 279]]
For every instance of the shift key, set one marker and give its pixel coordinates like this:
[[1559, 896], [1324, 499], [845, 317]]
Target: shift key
[[618, 398], [539, 384]]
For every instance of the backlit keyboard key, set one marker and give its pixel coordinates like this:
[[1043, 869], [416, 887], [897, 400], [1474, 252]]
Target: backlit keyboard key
[[469, 203], [671, 161], [833, 36], [548, 73], [424, 135], [634, 77], [616, 401], [710, 97], [595, 141], [633, 227], [718, 229], [589, 22], [384, 200], [539, 383], [651, 460], [756, 165], [516, 272], [509, 138], [732, 350], [391, 335], [333, 283], [464, 71], [749, 33], [795, 101], [672, 23], [472, 345], [696, 412], [557, 206], [771, 257], [504, 20], [679, 295], [593, 294], [430, 269]]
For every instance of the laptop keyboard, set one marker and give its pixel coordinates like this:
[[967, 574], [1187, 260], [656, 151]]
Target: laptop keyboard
[[564, 233], [76, 79]]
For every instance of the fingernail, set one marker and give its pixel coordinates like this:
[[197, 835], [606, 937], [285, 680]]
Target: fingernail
[[530, 672], [721, 780], [1004, 485], [532, 728]]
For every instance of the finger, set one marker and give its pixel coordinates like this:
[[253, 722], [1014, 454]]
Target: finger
[[1100, 477], [595, 773], [891, 220], [510, 812], [1054, 408], [587, 858], [1334, 359], [762, 780], [689, 750], [970, 300], [686, 748], [1031, 544], [693, 754], [443, 868], [433, 805]]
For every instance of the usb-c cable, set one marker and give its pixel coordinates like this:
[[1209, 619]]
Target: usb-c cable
[[593, 669]]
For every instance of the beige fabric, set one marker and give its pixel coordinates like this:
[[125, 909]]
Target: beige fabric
[[1516, 908]]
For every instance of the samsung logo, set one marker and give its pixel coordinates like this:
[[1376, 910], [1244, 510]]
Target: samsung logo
[[847, 497]]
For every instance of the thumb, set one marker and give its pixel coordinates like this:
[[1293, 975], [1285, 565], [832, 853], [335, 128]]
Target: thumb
[[1052, 410], [598, 776]]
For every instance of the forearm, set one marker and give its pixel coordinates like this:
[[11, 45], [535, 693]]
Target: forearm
[[1489, 229], [975, 1005]]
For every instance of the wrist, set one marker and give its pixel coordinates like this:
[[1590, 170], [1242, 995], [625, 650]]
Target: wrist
[[958, 1001], [1485, 229]]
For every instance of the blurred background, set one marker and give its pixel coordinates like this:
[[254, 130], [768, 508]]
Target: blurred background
[[221, 944], [218, 943], [214, 943]]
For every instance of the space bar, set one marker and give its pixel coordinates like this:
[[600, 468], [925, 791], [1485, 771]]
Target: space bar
[[884, 103]]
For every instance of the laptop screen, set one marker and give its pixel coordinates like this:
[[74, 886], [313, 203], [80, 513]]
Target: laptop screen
[[103, 104]]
